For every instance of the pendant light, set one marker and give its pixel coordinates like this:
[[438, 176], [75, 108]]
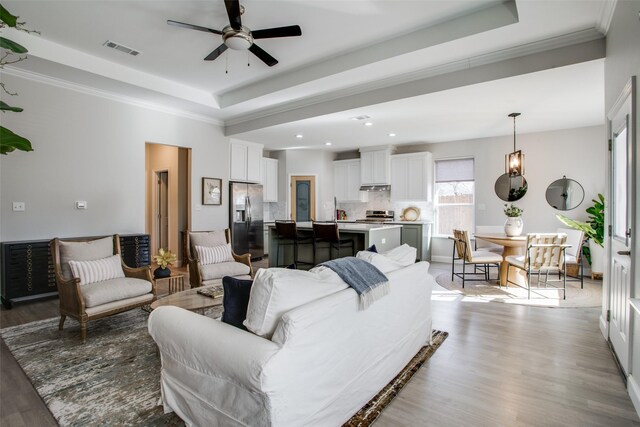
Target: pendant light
[[514, 162]]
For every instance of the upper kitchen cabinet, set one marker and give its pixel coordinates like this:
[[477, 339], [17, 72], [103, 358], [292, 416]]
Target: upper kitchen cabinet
[[375, 167], [269, 180], [246, 161], [346, 181], [412, 176]]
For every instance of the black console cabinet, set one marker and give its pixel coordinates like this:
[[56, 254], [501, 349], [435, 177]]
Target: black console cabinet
[[27, 268]]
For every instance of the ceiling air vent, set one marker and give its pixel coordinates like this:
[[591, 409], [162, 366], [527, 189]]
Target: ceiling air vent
[[121, 48]]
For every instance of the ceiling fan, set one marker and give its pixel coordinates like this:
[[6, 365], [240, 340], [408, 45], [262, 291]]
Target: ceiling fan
[[238, 37]]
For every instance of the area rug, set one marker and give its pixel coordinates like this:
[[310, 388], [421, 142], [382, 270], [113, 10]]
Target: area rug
[[590, 296], [114, 379]]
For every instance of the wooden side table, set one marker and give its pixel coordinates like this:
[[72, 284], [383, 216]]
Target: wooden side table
[[175, 281]]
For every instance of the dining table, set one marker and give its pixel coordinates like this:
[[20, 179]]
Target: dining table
[[511, 245]]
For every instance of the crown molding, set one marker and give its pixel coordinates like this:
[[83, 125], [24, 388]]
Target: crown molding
[[605, 15], [65, 84]]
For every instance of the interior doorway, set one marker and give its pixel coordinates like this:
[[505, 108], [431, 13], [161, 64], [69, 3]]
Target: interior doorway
[[168, 197], [303, 198]]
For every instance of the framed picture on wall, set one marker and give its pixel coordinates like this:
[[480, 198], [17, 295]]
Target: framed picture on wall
[[211, 191]]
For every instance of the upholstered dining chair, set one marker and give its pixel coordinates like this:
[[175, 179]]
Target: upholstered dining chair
[[575, 238], [481, 260], [210, 258], [545, 254], [483, 245], [94, 282]]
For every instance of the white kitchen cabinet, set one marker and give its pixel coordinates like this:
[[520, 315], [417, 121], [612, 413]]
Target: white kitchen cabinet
[[246, 161], [346, 181], [269, 180], [375, 166], [412, 177]]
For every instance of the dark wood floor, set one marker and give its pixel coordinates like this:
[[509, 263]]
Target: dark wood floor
[[502, 365]]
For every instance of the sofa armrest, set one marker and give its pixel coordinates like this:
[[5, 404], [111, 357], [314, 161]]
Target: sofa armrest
[[244, 259], [211, 347], [143, 273], [69, 294]]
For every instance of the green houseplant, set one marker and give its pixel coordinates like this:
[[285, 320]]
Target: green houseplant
[[11, 53], [514, 224], [593, 229]]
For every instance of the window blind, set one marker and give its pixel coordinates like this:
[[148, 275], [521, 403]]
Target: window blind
[[454, 170]]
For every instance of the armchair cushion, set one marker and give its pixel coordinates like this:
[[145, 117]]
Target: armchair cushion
[[107, 291], [214, 254], [235, 300], [97, 270], [208, 238], [83, 251], [221, 269]]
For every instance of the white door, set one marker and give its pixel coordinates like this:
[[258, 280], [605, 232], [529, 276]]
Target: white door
[[621, 200]]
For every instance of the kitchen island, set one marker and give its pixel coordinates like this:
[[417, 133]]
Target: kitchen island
[[384, 236]]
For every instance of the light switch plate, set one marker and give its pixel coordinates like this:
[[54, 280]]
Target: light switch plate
[[18, 207], [81, 204]]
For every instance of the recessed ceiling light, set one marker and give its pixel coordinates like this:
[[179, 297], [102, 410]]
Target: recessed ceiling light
[[368, 124], [327, 143], [299, 136], [392, 134]]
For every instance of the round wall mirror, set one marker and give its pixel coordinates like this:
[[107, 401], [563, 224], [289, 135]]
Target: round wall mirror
[[565, 194], [511, 188]]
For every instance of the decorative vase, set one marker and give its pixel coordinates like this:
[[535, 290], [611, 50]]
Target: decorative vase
[[597, 258], [160, 272], [513, 226]]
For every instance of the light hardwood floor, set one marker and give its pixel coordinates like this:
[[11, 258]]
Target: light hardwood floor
[[502, 365]]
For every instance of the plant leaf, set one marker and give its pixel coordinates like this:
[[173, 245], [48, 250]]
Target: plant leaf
[[12, 46], [6, 107], [9, 141], [7, 18]]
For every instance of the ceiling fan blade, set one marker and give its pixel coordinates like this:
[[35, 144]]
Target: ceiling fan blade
[[193, 27], [269, 33], [233, 10], [264, 56], [213, 55]]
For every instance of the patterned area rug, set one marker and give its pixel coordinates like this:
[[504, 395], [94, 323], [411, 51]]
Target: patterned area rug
[[590, 296], [114, 379]]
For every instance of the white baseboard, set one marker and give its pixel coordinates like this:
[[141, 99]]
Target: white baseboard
[[634, 392], [445, 259], [604, 327]]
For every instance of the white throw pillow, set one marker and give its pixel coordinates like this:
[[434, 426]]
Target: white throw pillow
[[278, 290], [97, 270], [392, 260], [214, 254]]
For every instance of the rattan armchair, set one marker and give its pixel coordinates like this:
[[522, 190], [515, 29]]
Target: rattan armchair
[[73, 294], [202, 275]]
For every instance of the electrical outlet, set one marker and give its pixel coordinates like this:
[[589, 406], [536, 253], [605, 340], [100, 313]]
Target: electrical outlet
[[81, 204], [384, 240], [18, 207]]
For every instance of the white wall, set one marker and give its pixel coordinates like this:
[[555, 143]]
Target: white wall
[[92, 148], [579, 154], [622, 62]]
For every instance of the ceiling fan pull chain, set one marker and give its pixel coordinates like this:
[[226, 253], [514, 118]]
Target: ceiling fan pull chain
[[248, 59], [226, 71]]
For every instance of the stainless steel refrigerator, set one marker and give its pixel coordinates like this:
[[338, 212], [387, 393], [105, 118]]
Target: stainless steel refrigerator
[[245, 219]]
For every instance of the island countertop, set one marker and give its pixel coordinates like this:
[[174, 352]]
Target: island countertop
[[350, 227]]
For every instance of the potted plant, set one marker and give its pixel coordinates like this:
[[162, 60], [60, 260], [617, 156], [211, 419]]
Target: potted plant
[[513, 226], [164, 259], [593, 229]]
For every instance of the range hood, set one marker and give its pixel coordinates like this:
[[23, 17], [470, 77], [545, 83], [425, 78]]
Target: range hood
[[382, 187]]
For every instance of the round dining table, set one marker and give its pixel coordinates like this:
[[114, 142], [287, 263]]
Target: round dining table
[[511, 245]]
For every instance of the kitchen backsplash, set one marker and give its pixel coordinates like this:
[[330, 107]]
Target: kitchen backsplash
[[380, 200]]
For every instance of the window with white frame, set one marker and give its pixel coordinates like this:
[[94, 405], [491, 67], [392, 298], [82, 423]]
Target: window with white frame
[[454, 191]]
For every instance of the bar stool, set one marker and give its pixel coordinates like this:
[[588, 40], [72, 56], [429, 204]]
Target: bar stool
[[288, 236], [327, 232]]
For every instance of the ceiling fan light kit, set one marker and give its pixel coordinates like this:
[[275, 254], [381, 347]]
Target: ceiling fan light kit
[[237, 37]]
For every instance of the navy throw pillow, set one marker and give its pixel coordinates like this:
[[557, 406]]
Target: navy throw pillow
[[372, 248], [235, 300]]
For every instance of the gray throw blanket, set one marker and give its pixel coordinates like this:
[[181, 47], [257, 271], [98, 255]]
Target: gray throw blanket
[[368, 282]]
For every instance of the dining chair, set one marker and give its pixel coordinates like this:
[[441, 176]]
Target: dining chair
[[328, 232], [545, 254], [287, 234], [575, 238], [481, 260], [483, 245]]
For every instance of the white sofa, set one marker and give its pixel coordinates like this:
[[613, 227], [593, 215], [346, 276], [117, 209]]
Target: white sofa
[[325, 360]]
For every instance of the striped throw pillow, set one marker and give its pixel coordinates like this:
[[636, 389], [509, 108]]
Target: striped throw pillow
[[97, 270], [214, 254]]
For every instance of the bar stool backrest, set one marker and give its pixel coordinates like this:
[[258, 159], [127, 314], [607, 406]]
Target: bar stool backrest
[[326, 231], [287, 229]]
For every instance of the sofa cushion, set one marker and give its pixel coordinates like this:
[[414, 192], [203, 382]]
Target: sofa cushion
[[116, 305], [278, 290], [235, 300], [392, 260], [99, 293], [214, 254], [97, 270], [83, 251], [218, 271], [208, 238]]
